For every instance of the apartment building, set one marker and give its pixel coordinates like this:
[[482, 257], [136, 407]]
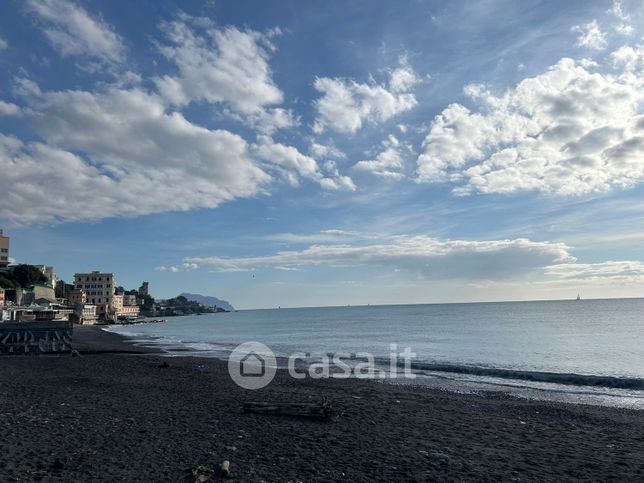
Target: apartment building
[[4, 250], [99, 287]]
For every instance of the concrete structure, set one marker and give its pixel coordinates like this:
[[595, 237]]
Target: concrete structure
[[1, 296], [31, 313], [98, 286], [29, 296], [4, 250], [144, 289], [36, 338]]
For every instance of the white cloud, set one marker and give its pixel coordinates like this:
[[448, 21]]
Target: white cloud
[[118, 153], [477, 263], [336, 181], [328, 151], [292, 165], [184, 267], [590, 36], [8, 109], [345, 105], [568, 131], [421, 255], [121, 152], [631, 59], [223, 65], [624, 26], [403, 78], [73, 31], [324, 236], [616, 271], [3, 44], [388, 163], [287, 159]]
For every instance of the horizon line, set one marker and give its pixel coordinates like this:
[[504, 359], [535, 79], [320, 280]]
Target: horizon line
[[438, 303]]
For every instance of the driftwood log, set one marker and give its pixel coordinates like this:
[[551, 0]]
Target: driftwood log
[[307, 410]]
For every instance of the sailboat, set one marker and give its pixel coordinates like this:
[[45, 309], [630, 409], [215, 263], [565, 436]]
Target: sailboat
[[578, 298]]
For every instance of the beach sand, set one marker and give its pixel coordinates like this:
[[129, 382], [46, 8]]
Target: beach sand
[[115, 415]]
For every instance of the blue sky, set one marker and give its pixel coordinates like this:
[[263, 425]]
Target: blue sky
[[326, 153]]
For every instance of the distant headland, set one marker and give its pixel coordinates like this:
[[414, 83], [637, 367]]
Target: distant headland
[[208, 301]]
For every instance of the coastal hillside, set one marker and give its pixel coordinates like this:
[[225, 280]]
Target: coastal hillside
[[208, 300]]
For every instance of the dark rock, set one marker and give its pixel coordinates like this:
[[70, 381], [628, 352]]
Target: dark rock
[[437, 457]]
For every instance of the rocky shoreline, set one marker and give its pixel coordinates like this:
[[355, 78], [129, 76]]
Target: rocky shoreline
[[123, 413]]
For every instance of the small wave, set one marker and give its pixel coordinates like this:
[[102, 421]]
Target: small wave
[[569, 379]]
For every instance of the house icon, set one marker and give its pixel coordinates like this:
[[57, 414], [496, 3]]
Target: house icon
[[252, 365]]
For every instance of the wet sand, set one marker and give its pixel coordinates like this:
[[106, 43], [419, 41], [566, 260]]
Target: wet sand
[[114, 414]]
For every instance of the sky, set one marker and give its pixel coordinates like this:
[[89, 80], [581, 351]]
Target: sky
[[328, 153]]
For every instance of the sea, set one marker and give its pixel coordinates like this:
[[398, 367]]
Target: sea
[[587, 351]]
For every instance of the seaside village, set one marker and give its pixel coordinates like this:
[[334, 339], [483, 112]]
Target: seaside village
[[33, 293]]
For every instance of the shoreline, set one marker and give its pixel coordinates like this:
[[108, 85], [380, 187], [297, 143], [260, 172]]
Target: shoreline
[[570, 388], [116, 413]]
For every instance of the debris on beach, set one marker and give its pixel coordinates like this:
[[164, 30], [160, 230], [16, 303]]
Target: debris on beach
[[202, 474], [308, 410], [225, 468]]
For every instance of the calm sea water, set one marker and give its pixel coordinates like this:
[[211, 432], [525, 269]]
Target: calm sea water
[[584, 351]]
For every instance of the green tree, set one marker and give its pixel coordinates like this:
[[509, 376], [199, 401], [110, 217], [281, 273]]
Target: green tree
[[7, 282], [28, 275], [148, 303]]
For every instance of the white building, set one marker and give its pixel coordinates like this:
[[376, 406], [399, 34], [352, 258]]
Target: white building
[[99, 287], [86, 313]]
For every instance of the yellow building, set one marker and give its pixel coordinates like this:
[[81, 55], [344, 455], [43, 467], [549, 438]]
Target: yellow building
[[77, 296]]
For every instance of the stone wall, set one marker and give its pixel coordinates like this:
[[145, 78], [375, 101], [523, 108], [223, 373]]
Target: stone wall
[[36, 338]]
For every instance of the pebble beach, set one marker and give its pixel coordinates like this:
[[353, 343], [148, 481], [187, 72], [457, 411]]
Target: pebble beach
[[121, 413]]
